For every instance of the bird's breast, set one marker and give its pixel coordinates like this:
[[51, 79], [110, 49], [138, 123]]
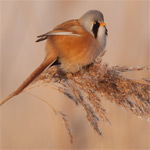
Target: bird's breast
[[76, 51]]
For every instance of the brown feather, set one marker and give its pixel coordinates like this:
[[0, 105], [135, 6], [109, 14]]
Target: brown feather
[[74, 52], [48, 61]]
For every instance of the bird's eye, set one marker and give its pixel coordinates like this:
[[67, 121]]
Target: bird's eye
[[96, 23], [95, 27]]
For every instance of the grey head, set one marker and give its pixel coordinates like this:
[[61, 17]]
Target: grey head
[[91, 20]]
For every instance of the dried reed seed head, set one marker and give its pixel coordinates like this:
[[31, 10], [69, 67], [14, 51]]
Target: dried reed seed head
[[99, 80]]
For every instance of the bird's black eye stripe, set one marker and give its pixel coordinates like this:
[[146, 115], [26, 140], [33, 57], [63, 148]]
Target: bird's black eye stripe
[[95, 28]]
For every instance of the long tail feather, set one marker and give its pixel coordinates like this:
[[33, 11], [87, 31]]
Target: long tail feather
[[33, 75]]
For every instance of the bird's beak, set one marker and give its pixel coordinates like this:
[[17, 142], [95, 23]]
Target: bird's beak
[[102, 24]]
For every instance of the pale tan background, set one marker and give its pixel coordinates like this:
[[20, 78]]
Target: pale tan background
[[28, 123]]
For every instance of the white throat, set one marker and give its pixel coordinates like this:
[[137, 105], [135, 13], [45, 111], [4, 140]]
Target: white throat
[[101, 37]]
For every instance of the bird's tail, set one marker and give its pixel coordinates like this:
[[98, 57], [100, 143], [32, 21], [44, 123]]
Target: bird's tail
[[47, 62]]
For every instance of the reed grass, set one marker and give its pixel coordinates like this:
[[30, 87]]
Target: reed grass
[[88, 87], [92, 83]]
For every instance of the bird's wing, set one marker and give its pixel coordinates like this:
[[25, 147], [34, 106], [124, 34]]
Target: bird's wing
[[67, 28]]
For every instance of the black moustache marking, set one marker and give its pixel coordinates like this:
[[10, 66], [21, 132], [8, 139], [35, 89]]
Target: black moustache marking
[[106, 31], [95, 28]]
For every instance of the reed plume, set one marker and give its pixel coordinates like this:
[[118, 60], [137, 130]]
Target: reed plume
[[98, 80]]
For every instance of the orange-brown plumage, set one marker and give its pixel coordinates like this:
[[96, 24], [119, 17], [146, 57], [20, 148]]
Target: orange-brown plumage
[[74, 43], [74, 51]]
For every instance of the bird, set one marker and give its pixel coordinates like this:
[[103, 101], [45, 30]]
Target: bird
[[71, 45]]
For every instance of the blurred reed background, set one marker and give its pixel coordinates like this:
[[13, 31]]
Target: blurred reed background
[[28, 123]]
